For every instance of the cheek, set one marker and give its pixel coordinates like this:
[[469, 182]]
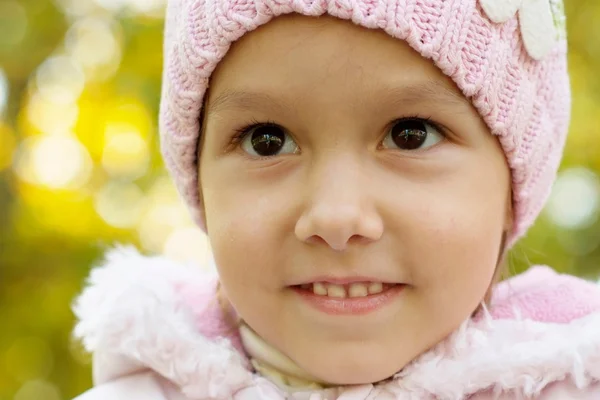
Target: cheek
[[453, 239], [244, 240]]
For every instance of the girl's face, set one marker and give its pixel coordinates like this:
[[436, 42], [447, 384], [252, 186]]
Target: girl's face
[[337, 154]]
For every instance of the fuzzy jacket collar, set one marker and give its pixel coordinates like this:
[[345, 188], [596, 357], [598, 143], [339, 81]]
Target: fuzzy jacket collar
[[139, 313]]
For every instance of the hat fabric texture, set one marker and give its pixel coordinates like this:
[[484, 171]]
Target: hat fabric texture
[[508, 57]]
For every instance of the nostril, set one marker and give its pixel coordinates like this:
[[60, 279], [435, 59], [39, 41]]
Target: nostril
[[358, 239], [319, 240], [316, 239], [352, 240]]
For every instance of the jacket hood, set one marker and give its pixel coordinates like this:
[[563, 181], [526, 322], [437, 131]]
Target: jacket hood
[[148, 313]]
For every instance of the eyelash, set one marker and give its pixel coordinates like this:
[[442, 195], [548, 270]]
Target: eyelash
[[241, 133], [427, 120]]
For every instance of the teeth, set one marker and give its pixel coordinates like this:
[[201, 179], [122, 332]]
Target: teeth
[[336, 291], [358, 290], [375, 287], [319, 289], [343, 291]]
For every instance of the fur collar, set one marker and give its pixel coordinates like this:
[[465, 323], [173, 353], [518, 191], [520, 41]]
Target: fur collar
[[141, 313]]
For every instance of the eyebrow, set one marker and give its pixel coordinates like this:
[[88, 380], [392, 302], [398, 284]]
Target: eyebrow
[[426, 92], [241, 99]]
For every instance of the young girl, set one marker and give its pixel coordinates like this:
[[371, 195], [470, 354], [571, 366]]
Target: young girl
[[360, 167]]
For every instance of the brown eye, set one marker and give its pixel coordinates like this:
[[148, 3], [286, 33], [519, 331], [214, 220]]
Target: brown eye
[[268, 140], [412, 134]]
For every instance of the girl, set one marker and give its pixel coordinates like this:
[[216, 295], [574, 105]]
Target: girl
[[360, 167]]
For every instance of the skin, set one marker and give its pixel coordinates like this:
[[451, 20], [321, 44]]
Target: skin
[[345, 202]]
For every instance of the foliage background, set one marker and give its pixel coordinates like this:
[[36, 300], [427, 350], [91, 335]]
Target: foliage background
[[80, 171]]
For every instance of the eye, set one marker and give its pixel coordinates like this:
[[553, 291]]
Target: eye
[[267, 140], [412, 134]]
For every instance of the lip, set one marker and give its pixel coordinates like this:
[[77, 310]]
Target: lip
[[342, 280], [350, 305]]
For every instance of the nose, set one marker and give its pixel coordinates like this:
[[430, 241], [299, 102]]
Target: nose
[[340, 209]]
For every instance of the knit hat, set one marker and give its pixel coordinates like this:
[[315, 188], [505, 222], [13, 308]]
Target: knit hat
[[507, 56]]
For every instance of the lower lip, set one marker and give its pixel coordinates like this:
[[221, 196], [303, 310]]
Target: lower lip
[[350, 305]]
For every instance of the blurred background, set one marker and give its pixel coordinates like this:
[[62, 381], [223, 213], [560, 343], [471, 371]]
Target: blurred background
[[80, 171]]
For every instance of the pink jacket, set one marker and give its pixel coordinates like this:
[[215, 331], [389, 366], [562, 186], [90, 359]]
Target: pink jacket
[[157, 333]]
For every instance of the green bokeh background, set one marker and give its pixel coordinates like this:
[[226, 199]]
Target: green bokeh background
[[80, 171]]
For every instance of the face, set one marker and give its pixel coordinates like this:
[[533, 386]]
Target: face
[[354, 200]]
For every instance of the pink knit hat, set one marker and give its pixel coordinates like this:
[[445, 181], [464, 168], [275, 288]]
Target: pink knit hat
[[507, 56]]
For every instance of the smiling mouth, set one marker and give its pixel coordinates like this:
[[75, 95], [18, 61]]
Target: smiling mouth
[[356, 298], [352, 290]]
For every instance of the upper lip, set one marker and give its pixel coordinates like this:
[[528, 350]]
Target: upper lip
[[340, 280]]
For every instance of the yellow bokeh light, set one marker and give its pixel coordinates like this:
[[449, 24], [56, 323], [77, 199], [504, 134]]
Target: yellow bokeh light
[[163, 213], [48, 116], [58, 162], [101, 116], [126, 154], [157, 224], [151, 8], [132, 112], [119, 204], [91, 123], [76, 8], [3, 92], [93, 43], [575, 199], [189, 244], [154, 8], [60, 79]]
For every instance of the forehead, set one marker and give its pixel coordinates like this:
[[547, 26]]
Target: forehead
[[333, 60]]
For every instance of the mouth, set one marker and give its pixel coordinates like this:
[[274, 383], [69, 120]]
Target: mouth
[[351, 290], [356, 298]]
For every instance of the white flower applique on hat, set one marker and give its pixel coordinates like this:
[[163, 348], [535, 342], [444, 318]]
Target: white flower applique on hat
[[542, 21]]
